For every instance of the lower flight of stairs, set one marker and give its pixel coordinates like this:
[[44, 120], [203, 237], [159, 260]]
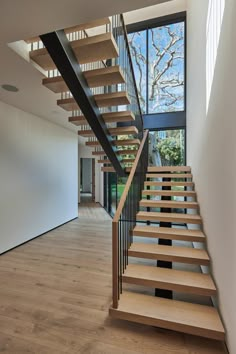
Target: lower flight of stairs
[[188, 317]]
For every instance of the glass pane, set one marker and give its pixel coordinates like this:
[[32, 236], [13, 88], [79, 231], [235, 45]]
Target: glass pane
[[167, 148], [138, 48], [113, 192], [166, 68], [114, 188]]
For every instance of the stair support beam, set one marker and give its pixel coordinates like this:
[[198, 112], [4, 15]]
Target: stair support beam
[[168, 294], [66, 62]]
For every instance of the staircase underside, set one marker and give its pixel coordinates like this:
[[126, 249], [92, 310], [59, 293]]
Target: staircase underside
[[97, 53]]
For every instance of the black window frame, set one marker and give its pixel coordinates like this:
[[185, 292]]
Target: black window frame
[[164, 120]]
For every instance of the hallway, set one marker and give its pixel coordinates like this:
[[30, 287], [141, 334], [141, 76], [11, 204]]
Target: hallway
[[56, 290]]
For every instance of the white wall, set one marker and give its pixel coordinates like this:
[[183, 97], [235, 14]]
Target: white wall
[[38, 176], [159, 10], [211, 149], [86, 152]]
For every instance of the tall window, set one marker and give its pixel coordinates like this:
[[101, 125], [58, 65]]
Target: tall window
[[158, 55], [214, 22]]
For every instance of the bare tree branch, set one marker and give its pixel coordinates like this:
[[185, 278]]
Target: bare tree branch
[[162, 80]]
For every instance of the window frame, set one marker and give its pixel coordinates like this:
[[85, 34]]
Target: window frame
[[173, 119]]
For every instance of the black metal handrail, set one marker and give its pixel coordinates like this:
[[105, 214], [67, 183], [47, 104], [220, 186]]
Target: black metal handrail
[[125, 62], [131, 66]]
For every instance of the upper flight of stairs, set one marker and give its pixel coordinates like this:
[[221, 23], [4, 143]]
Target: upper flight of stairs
[[96, 49], [87, 50], [174, 246]]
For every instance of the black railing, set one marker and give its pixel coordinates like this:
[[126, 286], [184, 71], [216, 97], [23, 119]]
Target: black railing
[[125, 217], [125, 62]]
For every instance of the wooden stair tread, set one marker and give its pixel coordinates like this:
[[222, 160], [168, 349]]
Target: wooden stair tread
[[127, 152], [104, 161], [123, 130], [55, 84], [169, 233], [111, 117], [170, 184], [168, 204], [102, 100], [113, 131], [170, 193], [126, 142], [99, 153], [169, 253], [120, 116], [170, 314], [171, 279], [90, 49], [169, 169], [107, 169], [111, 169], [110, 75], [78, 120], [169, 217], [68, 104], [119, 98], [93, 143], [114, 142], [128, 160], [169, 175]]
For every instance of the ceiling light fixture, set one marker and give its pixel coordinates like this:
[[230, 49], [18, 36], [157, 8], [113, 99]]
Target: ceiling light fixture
[[9, 88]]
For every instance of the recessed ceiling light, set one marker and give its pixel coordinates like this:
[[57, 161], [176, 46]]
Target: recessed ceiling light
[[9, 88]]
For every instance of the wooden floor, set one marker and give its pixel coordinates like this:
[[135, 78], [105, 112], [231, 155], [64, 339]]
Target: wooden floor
[[55, 292]]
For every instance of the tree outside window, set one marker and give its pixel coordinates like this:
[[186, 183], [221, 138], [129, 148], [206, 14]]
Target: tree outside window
[[158, 60]]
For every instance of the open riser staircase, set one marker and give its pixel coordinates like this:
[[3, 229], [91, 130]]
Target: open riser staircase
[[147, 245], [101, 51], [100, 95]]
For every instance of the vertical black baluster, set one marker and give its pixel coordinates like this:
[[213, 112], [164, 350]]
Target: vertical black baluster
[[119, 235]]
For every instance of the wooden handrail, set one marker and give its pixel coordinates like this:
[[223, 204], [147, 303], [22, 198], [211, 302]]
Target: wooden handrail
[[130, 178], [115, 226]]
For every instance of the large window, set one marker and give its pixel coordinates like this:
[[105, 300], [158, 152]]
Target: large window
[[158, 54]]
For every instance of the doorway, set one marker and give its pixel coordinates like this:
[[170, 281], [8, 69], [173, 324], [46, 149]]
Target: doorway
[[87, 180]]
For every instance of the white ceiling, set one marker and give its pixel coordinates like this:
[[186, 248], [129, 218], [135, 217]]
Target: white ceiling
[[27, 18]]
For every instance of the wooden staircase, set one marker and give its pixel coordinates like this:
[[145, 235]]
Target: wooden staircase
[[97, 51], [173, 246]]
